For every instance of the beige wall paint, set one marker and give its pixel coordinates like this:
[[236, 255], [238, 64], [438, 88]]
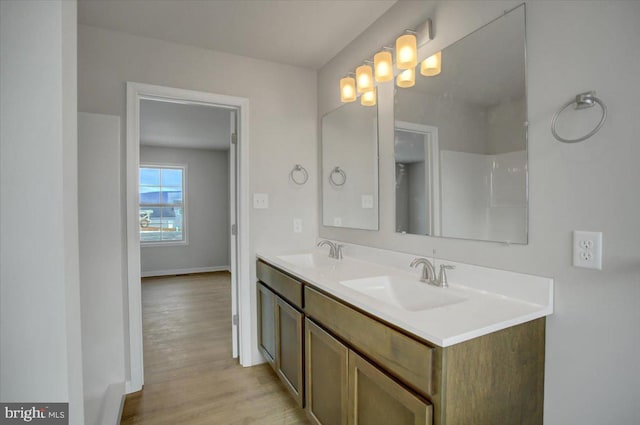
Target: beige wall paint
[[593, 337], [283, 117]]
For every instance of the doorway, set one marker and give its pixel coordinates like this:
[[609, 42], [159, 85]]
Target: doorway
[[417, 189], [238, 230]]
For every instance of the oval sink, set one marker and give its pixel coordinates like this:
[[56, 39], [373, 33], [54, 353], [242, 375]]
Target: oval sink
[[309, 260], [403, 293]]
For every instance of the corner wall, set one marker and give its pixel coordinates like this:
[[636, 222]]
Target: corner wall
[[592, 338], [40, 335], [100, 262]]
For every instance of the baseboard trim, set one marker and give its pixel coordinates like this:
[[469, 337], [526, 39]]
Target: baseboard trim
[[112, 404], [185, 271]]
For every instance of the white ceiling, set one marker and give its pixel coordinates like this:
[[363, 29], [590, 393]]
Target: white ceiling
[[180, 125], [306, 33]]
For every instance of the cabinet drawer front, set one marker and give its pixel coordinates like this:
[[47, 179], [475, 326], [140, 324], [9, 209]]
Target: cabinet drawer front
[[267, 323], [327, 377], [287, 287], [406, 358], [376, 399], [289, 322]]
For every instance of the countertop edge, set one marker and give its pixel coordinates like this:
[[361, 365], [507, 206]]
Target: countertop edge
[[543, 310]]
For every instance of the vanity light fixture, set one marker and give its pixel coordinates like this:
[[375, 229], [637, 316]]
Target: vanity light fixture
[[368, 98], [364, 78], [432, 65], [406, 47], [407, 50], [406, 78], [347, 89], [383, 65]]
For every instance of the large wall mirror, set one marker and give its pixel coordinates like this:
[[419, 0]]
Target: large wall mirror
[[461, 140], [350, 167]]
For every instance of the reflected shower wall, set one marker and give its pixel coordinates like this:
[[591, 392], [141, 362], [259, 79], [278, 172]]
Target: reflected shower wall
[[482, 195]]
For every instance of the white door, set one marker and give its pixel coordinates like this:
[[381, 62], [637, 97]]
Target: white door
[[233, 230]]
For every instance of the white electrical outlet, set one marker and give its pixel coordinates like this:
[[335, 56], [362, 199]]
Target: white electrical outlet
[[297, 225], [587, 249], [260, 201], [367, 201]]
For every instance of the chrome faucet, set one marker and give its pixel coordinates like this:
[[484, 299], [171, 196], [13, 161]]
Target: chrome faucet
[[429, 272], [335, 250]]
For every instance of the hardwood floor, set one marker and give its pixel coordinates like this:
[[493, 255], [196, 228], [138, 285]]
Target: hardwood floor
[[190, 377]]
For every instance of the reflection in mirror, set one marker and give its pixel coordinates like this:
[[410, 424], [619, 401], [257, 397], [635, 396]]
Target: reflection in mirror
[[350, 167], [461, 138]]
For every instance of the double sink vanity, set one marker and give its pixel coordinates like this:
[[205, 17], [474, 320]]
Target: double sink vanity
[[364, 338], [361, 340]]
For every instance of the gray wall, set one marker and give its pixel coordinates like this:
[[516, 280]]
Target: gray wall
[[40, 342], [207, 204], [593, 337], [282, 127], [462, 126], [101, 286], [505, 130]]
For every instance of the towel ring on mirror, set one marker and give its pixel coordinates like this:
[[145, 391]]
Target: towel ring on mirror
[[581, 101], [340, 171], [301, 179]]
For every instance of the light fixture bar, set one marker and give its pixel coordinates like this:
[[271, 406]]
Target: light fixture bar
[[424, 33], [406, 55]]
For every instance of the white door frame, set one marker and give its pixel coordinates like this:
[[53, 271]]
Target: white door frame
[[233, 248], [135, 93], [433, 172]]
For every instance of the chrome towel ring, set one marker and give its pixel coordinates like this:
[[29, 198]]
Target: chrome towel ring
[[341, 173], [581, 101], [299, 175]]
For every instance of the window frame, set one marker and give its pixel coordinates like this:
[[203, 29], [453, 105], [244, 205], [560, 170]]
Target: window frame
[[185, 227]]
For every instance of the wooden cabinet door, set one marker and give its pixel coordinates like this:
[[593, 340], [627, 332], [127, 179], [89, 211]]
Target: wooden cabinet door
[[289, 348], [267, 323], [376, 399], [327, 377]]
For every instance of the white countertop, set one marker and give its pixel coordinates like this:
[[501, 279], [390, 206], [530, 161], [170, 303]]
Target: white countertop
[[493, 299]]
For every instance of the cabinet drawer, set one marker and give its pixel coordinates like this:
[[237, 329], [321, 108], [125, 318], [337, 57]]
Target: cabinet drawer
[[287, 287], [404, 357]]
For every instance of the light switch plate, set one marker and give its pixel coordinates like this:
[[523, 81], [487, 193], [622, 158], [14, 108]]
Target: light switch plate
[[260, 201], [297, 225], [367, 201], [587, 249]]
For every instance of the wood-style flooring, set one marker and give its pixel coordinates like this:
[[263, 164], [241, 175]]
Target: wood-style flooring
[[190, 377]]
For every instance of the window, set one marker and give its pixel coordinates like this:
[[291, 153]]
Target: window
[[162, 204]]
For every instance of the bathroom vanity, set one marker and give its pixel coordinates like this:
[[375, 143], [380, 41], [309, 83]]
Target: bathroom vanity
[[362, 341]]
